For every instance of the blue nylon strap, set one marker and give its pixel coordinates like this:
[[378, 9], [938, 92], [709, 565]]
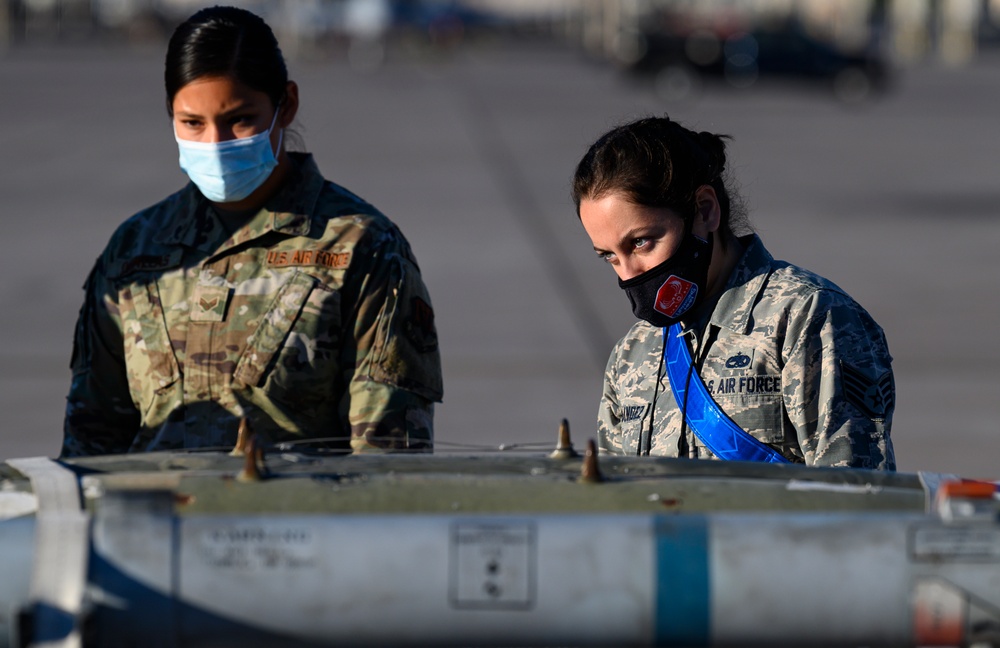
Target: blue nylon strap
[[710, 424]]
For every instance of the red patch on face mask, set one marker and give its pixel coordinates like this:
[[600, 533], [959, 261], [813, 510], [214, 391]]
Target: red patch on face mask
[[675, 296]]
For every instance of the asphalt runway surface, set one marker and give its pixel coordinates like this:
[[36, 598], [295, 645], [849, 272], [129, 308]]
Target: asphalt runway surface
[[471, 153]]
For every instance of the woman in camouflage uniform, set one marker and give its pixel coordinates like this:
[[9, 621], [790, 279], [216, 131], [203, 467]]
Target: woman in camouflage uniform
[[259, 290], [786, 355]]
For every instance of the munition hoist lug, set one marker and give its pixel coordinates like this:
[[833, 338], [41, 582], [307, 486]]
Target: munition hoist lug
[[564, 446], [249, 446], [589, 471]]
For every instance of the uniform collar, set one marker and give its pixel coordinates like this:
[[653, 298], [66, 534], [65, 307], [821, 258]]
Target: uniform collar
[[745, 284], [288, 212]]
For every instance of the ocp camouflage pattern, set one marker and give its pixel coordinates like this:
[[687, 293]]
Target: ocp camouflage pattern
[[310, 319], [786, 354]]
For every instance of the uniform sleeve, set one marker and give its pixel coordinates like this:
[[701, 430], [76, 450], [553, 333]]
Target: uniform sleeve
[[101, 417], [838, 385], [608, 424], [396, 376]]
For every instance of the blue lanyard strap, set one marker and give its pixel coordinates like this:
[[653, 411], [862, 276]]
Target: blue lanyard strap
[[710, 424]]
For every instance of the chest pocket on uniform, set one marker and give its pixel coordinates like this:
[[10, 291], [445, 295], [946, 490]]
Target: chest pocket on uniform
[[744, 378], [762, 415], [149, 356], [292, 352]]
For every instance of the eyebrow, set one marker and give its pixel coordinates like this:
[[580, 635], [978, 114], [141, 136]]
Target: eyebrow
[[642, 231], [232, 111]]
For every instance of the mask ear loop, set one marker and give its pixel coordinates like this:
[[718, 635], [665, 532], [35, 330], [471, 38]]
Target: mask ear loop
[[281, 134]]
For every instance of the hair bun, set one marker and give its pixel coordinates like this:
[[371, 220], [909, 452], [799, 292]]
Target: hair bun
[[714, 148]]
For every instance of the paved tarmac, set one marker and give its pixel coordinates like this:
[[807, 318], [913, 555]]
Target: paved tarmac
[[471, 154]]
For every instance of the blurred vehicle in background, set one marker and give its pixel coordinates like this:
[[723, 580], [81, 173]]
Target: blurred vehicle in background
[[679, 56]]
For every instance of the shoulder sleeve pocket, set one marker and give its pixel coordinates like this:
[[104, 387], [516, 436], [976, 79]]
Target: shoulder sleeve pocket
[[405, 353]]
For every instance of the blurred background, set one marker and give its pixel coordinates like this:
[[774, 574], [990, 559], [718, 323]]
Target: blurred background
[[865, 145]]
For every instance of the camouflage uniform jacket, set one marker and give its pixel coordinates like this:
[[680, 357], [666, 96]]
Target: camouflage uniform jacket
[[790, 357], [311, 319]]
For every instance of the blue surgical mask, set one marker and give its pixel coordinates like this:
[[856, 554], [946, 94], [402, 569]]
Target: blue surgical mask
[[229, 171]]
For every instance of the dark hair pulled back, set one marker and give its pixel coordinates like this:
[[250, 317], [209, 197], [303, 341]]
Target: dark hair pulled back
[[225, 42], [655, 162]]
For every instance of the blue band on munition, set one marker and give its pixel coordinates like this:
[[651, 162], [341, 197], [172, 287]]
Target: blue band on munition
[[683, 596], [710, 424]]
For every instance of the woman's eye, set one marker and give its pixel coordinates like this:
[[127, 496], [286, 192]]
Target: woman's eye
[[640, 243], [608, 257]]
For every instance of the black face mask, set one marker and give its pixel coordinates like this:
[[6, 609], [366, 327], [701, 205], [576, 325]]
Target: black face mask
[[663, 294]]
